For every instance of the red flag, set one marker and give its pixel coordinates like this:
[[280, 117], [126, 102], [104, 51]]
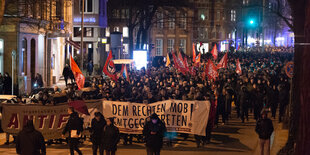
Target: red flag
[[79, 106], [109, 68], [211, 70], [193, 71], [194, 53], [197, 59], [186, 64], [214, 52], [238, 67], [223, 62], [180, 57], [179, 64], [78, 75]]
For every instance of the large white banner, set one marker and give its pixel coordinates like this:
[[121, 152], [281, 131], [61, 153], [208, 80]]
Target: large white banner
[[179, 116]]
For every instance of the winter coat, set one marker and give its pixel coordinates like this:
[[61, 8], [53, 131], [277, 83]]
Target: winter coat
[[264, 128], [243, 99], [96, 130], [30, 142], [66, 72], [74, 123], [110, 137], [7, 86], [154, 141]]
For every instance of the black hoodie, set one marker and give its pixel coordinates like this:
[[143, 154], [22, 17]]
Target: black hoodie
[[155, 140], [30, 141], [74, 123]]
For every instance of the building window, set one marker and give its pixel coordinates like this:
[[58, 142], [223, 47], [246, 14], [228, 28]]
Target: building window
[[245, 2], [183, 20], [125, 13], [107, 47], [88, 5], [116, 13], [116, 29], [203, 14], [24, 53], [76, 32], [218, 15], [171, 19], [159, 47], [233, 15], [107, 32], [89, 31], [125, 31], [160, 20], [126, 49], [183, 45], [170, 45]]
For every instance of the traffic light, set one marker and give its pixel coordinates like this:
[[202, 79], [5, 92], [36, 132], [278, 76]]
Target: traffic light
[[251, 21]]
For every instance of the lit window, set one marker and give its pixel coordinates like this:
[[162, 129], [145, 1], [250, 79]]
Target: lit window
[[89, 31], [125, 49], [107, 47], [125, 31], [159, 47], [183, 45], [233, 15], [116, 29], [107, 32], [170, 45]]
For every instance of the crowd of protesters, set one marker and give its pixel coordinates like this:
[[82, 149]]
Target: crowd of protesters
[[262, 85], [268, 48]]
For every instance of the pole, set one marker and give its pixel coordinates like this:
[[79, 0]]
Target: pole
[[13, 61], [263, 33], [82, 35]]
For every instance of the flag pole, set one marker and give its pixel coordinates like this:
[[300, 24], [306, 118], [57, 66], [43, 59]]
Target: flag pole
[[82, 35]]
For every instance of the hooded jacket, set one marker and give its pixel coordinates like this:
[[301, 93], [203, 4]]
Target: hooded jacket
[[74, 123], [154, 141], [30, 141]]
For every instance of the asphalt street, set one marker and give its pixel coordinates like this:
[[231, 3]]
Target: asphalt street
[[229, 139]]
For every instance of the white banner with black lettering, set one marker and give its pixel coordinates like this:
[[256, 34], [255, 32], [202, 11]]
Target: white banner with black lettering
[[179, 116]]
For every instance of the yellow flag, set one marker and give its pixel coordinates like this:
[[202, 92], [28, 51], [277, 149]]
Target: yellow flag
[[168, 60]]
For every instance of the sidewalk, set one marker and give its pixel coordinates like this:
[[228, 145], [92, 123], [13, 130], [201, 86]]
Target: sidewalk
[[278, 138]]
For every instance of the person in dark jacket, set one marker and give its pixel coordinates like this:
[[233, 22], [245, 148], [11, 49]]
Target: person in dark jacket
[[7, 84], [67, 73], [153, 131], [264, 129], [74, 127], [90, 67], [97, 125], [243, 101], [110, 137], [29, 141]]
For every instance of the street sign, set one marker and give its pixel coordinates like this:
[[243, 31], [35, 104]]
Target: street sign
[[289, 69]]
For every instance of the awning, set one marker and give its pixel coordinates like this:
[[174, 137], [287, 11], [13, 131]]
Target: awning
[[74, 44]]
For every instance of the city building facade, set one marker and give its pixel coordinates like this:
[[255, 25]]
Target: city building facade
[[32, 41], [95, 22]]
